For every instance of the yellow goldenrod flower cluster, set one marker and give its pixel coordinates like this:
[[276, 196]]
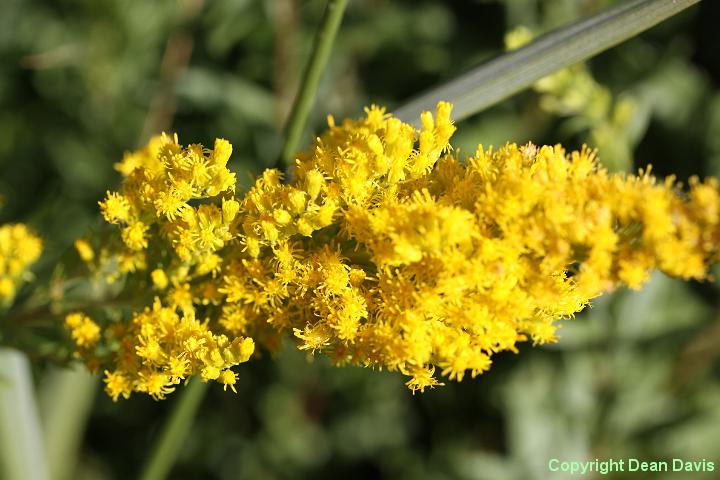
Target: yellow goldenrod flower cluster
[[385, 249], [161, 181], [159, 349], [175, 211], [19, 248]]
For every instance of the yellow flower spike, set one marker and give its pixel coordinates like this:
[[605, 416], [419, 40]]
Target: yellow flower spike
[[383, 249]]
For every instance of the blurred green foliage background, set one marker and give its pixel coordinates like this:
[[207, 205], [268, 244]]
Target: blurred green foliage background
[[635, 376]]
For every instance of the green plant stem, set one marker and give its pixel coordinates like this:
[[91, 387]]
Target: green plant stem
[[174, 432], [66, 400], [22, 456], [322, 46], [514, 71]]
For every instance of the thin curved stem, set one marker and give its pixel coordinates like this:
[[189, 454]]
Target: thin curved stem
[[322, 47], [174, 432]]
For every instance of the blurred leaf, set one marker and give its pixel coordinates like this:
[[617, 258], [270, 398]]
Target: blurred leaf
[[663, 306]]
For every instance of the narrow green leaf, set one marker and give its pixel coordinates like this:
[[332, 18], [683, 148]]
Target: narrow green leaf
[[514, 71], [22, 455], [66, 401]]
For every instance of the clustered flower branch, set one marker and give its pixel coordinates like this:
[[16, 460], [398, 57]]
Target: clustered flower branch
[[384, 248]]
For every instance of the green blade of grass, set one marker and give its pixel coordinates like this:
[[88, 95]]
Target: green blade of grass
[[514, 71]]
